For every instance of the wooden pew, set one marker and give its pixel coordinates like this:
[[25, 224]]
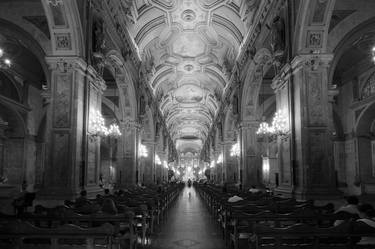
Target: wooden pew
[[346, 235], [20, 234], [242, 224]]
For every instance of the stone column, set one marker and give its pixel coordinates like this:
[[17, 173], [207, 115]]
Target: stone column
[[73, 157], [127, 165], [306, 153], [220, 170], [3, 127], [250, 153], [230, 163], [148, 164]]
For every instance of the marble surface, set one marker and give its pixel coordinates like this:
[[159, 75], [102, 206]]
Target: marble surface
[[189, 226]]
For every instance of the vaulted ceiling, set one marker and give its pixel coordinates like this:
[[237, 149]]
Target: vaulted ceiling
[[191, 47]]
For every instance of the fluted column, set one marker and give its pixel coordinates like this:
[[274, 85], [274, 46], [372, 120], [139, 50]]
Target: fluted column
[[127, 160], [147, 164], [230, 163], [305, 154], [251, 159], [73, 156]]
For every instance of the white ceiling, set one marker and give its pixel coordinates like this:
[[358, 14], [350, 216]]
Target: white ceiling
[[191, 46]]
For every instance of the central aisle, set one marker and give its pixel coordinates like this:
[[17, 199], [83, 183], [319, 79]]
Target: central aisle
[[189, 226]]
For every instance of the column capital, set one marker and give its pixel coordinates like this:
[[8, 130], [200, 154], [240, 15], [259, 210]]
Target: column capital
[[249, 124], [312, 62], [130, 124], [64, 64]]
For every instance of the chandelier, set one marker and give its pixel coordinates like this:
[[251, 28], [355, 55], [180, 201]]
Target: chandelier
[[165, 164], [114, 131], [279, 126], [97, 125], [220, 158], [235, 151], [143, 151], [157, 160], [264, 129], [212, 165], [5, 63]]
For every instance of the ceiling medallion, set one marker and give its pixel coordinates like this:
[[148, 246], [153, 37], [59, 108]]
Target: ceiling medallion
[[189, 67], [188, 15]]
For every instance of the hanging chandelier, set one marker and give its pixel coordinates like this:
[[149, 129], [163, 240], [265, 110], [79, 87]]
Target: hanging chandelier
[[235, 151], [143, 151], [280, 124], [114, 131], [165, 164], [157, 160], [5, 62], [220, 158], [97, 125], [212, 165], [264, 129]]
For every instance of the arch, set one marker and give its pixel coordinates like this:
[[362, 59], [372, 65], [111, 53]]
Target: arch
[[64, 21], [126, 84], [28, 42], [364, 122], [341, 46], [312, 25], [253, 79]]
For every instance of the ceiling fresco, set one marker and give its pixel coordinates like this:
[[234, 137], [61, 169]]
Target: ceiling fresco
[[191, 47]]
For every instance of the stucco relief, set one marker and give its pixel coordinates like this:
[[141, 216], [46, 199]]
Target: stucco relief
[[62, 100], [315, 99]]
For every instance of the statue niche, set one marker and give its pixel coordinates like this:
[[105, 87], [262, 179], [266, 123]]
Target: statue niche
[[278, 38]]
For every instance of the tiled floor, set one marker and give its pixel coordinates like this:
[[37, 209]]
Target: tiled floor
[[189, 226]]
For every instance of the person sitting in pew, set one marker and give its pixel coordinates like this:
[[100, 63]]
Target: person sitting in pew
[[84, 205], [109, 206], [235, 198], [351, 207], [254, 190]]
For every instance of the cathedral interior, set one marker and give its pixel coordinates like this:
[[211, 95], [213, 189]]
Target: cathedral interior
[[191, 124]]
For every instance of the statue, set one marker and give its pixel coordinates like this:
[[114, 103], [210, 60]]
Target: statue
[[278, 36]]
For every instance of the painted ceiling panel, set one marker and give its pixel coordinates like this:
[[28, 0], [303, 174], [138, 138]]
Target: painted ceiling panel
[[191, 46]]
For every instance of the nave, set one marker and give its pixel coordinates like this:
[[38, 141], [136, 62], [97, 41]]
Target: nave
[[189, 226]]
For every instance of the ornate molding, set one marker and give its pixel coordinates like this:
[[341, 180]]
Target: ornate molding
[[65, 64], [312, 62]]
